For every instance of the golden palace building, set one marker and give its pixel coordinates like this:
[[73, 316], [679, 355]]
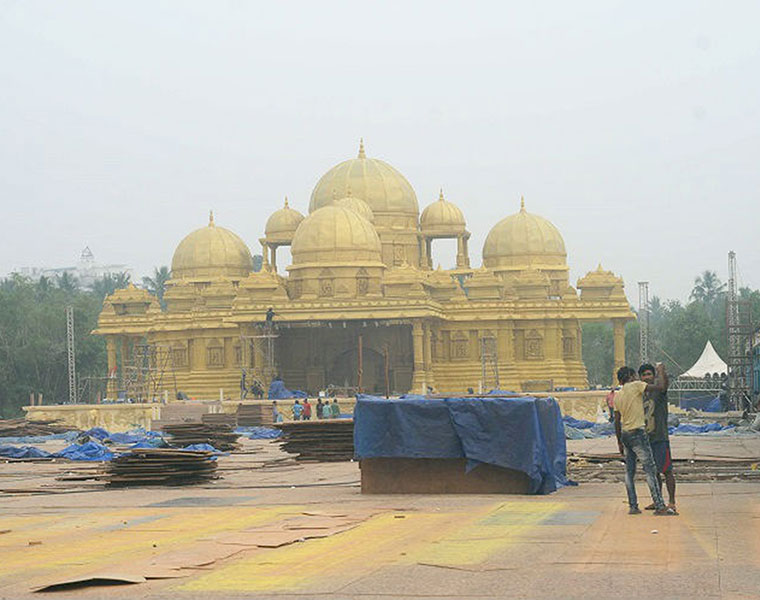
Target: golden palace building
[[362, 305]]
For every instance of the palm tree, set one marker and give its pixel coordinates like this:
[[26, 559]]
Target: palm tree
[[67, 282], [707, 288], [105, 286], [121, 280], [156, 285]]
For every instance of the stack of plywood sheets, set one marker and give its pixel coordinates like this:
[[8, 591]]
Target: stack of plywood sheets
[[320, 441], [221, 437], [161, 466]]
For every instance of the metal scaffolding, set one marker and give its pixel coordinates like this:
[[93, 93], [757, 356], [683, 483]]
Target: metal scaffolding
[[739, 334], [71, 354], [260, 346], [643, 322], [148, 372]]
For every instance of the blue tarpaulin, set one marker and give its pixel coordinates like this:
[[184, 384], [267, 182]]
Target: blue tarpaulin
[[89, 451], [686, 429], [524, 434], [22, 452], [278, 391], [259, 433]]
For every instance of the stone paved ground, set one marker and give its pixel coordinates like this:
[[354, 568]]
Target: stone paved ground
[[206, 541]]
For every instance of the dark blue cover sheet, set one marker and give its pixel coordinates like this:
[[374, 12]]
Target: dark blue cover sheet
[[525, 434]]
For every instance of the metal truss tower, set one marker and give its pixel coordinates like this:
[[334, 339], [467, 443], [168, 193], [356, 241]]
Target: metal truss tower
[[644, 321], [71, 354], [739, 333]]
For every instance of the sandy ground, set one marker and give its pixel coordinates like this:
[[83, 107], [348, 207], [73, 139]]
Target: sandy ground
[[271, 528]]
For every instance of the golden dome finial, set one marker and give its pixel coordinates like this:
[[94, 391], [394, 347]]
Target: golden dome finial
[[440, 196], [361, 148], [286, 202], [522, 204], [211, 218]]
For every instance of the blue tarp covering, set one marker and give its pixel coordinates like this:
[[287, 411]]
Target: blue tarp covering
[[259, 433], [278, 391], [89, 451], [705, 402], [68, 436], [686, 429], [22, 452], [204, 448], [524, 434]]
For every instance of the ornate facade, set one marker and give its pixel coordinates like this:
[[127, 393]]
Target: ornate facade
[[361, 300]]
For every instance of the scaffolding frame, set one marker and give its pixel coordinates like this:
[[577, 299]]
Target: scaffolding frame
[[71, 355], [260, 344], [143, 376], [643, 322], [739, 338]]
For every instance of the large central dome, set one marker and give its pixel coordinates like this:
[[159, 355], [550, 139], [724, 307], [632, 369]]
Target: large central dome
[[376, 182]]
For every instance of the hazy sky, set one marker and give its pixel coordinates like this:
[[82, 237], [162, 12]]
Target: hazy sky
[[633, 127]]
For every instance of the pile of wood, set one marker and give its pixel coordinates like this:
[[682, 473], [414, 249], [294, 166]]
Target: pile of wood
[[254, 415], [161, 466], [221, 437], [319, 441], [22, 427], [228, 419]]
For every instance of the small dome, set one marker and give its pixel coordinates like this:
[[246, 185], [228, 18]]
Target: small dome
[[442, 218], [523, 240], [357, 205], [282, 224], [376, 182], [209, 252], [335, 235]]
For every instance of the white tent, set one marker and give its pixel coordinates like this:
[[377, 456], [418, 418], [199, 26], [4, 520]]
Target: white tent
[[708, 362]]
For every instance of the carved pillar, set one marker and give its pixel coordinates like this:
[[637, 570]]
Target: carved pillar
[[423, 253], [429, 252], [427, 354], [274, 258], [462, 262], [618, 341], [265, 266], [111, 354], [418, 362]]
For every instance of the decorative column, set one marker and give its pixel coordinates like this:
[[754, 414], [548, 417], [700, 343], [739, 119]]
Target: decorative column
[[418, 362], [429, 252], [618, 341], [265, 266], [423, 253], [274, 258], [111, 355], [427, 354]]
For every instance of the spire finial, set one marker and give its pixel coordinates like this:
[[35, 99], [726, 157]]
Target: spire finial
[[522, 203], [211, 218], [440, 196], [286, 202], [361, 148]]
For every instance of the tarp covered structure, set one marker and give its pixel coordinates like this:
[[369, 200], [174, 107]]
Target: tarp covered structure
[[708, 363], [524, 434]]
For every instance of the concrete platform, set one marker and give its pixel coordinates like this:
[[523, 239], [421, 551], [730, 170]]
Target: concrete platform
[[239, 537]]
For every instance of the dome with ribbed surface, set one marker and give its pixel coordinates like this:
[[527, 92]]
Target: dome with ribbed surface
[[383, 188], [335, 235], [442, 218], [357, 205], [282, 224], [523, 240], [211, 252]]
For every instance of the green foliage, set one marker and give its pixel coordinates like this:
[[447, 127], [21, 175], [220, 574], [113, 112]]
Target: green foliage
[[109, 283], [33, 339], [156, 285]]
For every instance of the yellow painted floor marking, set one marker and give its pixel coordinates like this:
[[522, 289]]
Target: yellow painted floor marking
[[86, 549], [452, 537]]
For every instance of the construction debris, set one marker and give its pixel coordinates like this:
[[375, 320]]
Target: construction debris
[[24, 428], [161, 466], [319, 441], [220, 436]]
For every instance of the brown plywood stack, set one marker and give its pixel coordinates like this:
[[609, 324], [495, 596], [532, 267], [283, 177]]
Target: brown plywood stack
[[254, 415], [22, 427], [330, 440], [228, 419], [221, 437], [161, 466]]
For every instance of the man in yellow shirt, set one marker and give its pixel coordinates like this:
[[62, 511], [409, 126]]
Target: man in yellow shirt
[[633, 442]]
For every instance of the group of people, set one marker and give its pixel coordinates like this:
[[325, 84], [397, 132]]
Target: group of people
[[640, 409], [303, 412]]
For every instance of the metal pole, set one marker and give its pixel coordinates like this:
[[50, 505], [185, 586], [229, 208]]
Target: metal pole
[[71, 355], [360, 372], [387, 373], [644, 321]]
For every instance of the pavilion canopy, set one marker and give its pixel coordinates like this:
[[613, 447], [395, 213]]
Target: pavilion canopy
[[708, 362]]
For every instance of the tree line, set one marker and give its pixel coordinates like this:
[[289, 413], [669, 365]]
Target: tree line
[[33, 353], [677, 332]]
